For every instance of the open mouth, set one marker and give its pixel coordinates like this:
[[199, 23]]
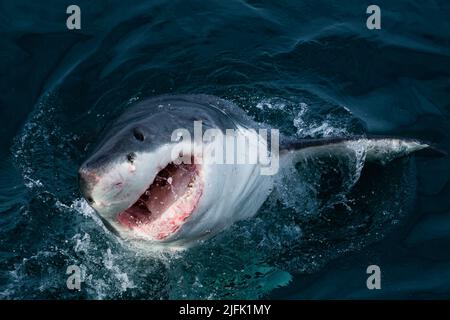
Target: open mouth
[[166, 204]]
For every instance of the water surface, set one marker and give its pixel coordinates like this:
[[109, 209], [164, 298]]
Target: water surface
[[310, 68]]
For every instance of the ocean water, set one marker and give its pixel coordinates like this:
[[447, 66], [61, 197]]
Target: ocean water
[[309, 68]]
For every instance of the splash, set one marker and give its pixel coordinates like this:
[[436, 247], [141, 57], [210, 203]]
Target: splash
[[317, 213]]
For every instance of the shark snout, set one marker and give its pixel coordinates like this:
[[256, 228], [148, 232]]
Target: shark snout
[[87, 179]]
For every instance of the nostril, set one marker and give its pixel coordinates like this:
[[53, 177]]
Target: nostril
[[90, 200]]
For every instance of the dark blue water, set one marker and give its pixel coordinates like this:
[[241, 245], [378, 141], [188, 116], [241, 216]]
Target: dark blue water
[[310, 68]]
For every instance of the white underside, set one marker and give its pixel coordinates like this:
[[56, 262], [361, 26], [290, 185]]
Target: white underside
[[231, 192]]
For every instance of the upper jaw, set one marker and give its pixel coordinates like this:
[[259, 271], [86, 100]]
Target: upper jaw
[[173, 218]]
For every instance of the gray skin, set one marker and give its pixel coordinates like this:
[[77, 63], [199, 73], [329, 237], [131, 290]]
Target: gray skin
[[141, 131], [168, 113], [135, 149], [155, 119]]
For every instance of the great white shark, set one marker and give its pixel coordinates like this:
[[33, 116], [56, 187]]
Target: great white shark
[[142, 192]]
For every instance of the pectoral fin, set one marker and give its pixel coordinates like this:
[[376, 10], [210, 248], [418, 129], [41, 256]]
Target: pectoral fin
[[375, 149]]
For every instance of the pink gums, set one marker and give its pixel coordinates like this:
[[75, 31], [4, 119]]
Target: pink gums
[[164, 207]]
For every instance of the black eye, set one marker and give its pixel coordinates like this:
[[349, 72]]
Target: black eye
[[138, 134], [131, 156], [90, 200]]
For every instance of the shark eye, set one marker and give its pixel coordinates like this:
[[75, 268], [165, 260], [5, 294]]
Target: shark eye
[[138, 134], [131, 156]]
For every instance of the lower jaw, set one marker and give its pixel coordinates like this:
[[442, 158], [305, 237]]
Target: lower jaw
[[166, 225], [160, 229]]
